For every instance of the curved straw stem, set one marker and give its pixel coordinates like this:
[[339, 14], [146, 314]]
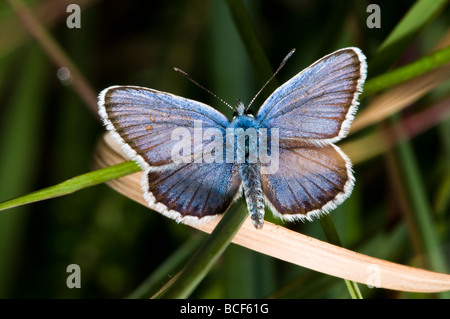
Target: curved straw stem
[[296, 248]]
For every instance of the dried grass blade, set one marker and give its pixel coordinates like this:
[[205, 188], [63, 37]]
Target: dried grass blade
[[296, 248]]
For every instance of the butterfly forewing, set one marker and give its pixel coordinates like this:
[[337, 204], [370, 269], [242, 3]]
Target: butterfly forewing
[[317, 105], [144, 121]]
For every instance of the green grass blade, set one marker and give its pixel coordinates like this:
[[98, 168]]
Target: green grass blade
[[421, 207], [442, 197], [259, 60], [207, 255], [416, 19], [231, 69], [74, 184], [329, 38], [333, 237], [422, 215], [20, 140], [407, 72], [171, 265], [248, 274]]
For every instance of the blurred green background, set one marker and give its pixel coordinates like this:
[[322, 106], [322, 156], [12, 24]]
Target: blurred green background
[[48, 134]]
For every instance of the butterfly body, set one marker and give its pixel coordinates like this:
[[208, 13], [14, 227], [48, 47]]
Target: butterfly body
[[250, 169], [284, 156]]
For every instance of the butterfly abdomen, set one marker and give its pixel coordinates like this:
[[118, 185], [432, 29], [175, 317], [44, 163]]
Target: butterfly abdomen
[[251, 182]]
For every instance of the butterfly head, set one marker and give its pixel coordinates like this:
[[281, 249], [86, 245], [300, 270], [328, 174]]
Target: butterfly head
[[240, 110]]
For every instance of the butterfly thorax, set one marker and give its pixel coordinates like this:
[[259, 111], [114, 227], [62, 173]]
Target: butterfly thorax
[[245, 129], [244, 132], [244, 121]]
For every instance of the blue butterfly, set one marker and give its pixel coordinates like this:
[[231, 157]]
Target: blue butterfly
[[170, 137]]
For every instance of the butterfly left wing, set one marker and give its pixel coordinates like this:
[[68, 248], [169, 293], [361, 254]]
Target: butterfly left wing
[[142, 121], [192, 192]]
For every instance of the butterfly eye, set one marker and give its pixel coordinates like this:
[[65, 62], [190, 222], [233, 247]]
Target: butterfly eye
[[235, 114], [250, 112]]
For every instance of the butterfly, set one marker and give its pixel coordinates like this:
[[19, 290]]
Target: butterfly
[[169, 137]]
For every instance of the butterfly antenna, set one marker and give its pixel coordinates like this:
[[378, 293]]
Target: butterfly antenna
[[201, 86], [273, 75]]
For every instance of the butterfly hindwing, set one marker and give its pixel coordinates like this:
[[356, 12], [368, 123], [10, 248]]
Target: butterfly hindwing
[[192, 191], [310, 181]]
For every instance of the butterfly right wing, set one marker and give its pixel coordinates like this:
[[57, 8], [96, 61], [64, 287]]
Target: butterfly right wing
[[318, 104], [313, 110]]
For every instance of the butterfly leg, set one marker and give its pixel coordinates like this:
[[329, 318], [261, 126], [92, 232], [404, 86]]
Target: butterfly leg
[[251, 182]]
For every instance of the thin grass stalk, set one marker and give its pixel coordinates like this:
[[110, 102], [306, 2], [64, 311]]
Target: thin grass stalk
[[259, 60], [333, 237], [48, 12], [441, 202], [20, 140], [261, 65], [74, 184], [56, 53], [423, 215], [208, 254], [407, 72], [173, 264], [420, 15], [400, 97]]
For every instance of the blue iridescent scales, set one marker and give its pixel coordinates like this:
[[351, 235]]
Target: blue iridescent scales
[[310, 112]]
